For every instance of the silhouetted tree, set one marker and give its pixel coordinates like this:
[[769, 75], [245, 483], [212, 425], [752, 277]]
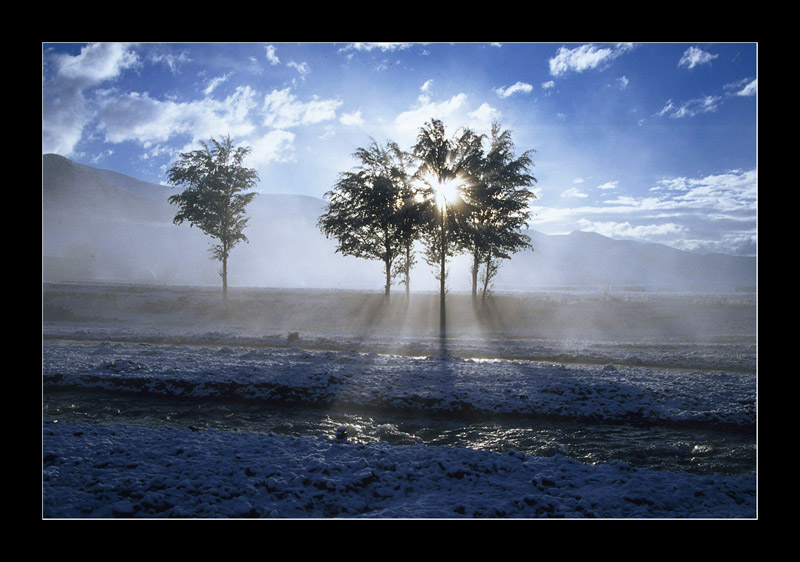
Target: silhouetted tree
[[371, 210], [213, 199], [497, 207], [411, 213], [447, 165]]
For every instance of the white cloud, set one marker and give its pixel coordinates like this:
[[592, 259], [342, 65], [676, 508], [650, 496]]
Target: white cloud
[[172, 60], [352, 119], [627, 201], [743, 88], [585, 57], [272, 56], [284, 110], [705, 104], [710, 213], [300, 67], [407, 123], [96, 63], [750, 90], [694, 56], [691, 108], [733, 191], [627, 230], [65, 111], [608, 185], [481, 119], [385, 47], [140, 118], [573, 192], [213, 83], [453, 112], [275, 146], [519, 87]]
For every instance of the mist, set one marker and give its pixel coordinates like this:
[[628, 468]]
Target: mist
[[99, 226]]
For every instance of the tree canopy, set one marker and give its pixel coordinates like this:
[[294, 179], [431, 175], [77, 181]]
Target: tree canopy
[[498, 206], [372, 211], [445, 165], [464, 193], [482, 194]]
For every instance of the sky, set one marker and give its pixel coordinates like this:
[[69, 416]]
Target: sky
[[652, 142]]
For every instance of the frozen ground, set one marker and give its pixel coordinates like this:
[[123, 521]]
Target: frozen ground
[[632, 359]]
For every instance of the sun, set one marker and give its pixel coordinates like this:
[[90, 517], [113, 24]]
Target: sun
[[447, 191]]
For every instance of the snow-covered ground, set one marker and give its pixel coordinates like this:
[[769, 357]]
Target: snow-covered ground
[[637, 359]]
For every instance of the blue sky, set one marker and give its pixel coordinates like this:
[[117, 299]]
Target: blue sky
[[654, 142]]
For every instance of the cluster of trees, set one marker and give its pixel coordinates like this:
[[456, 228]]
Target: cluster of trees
[[466, 193]]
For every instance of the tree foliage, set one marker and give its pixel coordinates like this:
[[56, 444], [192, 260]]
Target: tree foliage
[[468, 192], [498, 206], [372, 211], [214, 197], [446, 165], [411, 214]]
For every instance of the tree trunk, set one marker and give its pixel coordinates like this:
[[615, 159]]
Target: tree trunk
[[442, 320], [388, 264], [408, 271], [225, 279], [475, 266], [487, 278]]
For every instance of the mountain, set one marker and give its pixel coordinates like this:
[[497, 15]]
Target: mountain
[[102, 225], [73, 188], [589, 259]]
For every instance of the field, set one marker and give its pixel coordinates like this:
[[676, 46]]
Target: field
[[184, 371]]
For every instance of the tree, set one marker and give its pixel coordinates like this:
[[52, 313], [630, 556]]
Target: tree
[[497, 207], [447, 165], [411, 213], [214, 198], [371, 210]]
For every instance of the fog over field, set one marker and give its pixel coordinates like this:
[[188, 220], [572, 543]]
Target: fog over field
[[101, 225], [161, 402]]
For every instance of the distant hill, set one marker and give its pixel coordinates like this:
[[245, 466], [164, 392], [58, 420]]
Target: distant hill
[[590, 259], [68, 187], [102, 225]]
